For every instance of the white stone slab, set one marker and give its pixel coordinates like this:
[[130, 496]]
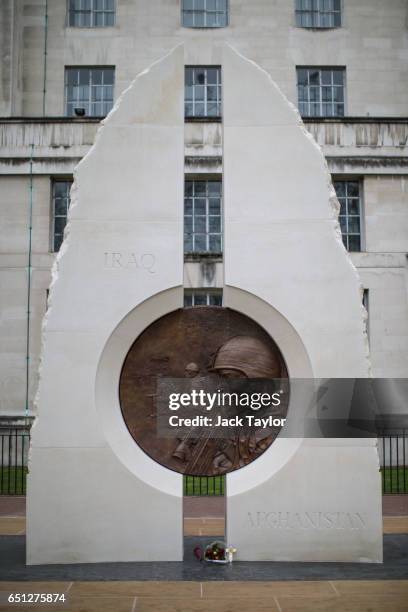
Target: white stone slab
[[93, 495], [320, 506], [283, 245], [84, 506]]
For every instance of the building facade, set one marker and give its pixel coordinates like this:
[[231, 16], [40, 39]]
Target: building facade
[[64, 63]]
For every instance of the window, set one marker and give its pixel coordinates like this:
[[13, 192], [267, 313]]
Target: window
[[202, 217], [91, 13], [348, 193], [203, 91], [321, 91], [318, 13], [89, 91], [202, 297], [205, 13], [60, 205]]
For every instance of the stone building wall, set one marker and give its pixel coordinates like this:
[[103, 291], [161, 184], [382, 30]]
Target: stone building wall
[[37, 145], [372, 45]]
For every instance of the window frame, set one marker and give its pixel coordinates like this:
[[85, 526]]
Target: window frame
[[319, 12], [92, 12], [204, 27], [90, 85], [321, 85], [193, 254], [366, 304], [54, 180], [208, 292], [360, 181], [219, 102]]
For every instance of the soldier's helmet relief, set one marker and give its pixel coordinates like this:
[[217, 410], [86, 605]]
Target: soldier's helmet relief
[[247, 356]]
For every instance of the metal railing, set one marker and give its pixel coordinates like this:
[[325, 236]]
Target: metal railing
[[15, 442], [204, 485], [14, 446], [393, 452]]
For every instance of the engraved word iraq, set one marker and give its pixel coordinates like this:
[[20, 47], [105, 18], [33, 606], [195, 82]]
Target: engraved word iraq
[[130, 261]]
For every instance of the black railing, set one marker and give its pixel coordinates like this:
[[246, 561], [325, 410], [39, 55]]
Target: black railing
[[393, 452], [204, 485], [14, 445]]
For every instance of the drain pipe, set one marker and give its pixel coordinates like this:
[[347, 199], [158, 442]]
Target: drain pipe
[[45, 55], [29, 271]]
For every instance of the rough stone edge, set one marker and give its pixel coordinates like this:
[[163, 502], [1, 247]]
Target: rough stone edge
[[74, 202], [333, 201]]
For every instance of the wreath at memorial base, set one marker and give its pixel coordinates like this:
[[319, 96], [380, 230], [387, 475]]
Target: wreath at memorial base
[[216, 552]]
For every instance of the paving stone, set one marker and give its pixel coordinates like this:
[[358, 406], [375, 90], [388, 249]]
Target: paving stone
[[243, 590], [201, 605], [75, 604], [137, 589], [395, 524], [394, 505], [353, 603], [33, 587], [195, 506], [12, 505], [12, 525], [373, 587]]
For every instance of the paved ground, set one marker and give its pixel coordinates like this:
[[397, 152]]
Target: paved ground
[[394, 505], [12, 505], [314, 596], [191, 586], [395, 567], [395, 524], [204, 506], [206, 526]]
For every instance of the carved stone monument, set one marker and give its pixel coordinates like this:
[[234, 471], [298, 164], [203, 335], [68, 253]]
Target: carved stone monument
[[94, 494], [312, 499]]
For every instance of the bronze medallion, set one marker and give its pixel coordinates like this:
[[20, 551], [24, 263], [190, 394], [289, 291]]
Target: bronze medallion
[[195, 343]]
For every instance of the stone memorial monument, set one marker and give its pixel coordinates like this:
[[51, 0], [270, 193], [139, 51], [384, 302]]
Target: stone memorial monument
[[312, 499], [94, 494]]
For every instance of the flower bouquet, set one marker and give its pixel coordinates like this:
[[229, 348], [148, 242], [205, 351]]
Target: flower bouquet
[[215, 553], [218, 552]]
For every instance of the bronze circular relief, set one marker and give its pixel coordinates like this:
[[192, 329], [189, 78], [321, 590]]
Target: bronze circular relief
[[195, 344]]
